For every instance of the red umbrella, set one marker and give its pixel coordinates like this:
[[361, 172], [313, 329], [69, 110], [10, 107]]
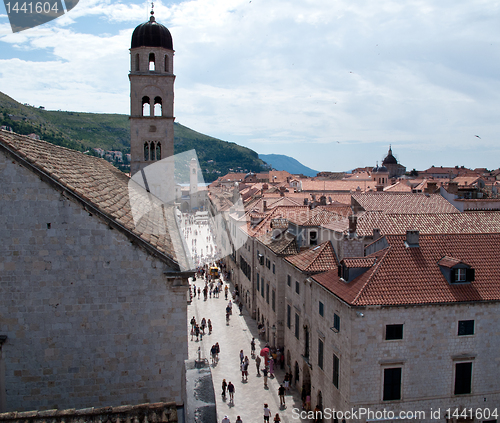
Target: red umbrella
[[264, 352]]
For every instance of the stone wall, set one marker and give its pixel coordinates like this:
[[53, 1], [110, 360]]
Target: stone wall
[[91, 319], [428, 352], [335, 342]]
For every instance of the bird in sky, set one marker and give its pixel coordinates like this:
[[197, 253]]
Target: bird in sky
[[477, 136]]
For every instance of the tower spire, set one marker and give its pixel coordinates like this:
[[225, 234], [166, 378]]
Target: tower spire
[[152, 18]]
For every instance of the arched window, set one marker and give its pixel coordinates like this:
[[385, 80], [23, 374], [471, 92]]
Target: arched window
[[158, 151], [146, 107], [151, 61], [137, 66], [157, 109], [146, 151], [166, 63]]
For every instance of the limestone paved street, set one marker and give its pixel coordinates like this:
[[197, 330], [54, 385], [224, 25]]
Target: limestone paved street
[[249, 397]]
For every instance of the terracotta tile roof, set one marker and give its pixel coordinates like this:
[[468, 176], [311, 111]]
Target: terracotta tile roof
[[155, 412], [466, 181], [399, 186], [278, 176], [404, 203], [285, 244], [359, 176], [341, 226], [275, 213], [233, 177], [320, 217], [338, 208], [404, 276], [275, 201], [317, 259], [449, 262], [99, 185], [279, 223], [359, 261], [446, 223], [347, 185]]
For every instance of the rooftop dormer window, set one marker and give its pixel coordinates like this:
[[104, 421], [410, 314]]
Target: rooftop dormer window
[[456, 271], [460, 275]]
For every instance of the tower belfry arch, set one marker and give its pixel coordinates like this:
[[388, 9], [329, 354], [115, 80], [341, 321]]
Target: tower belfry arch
[[151, 94]]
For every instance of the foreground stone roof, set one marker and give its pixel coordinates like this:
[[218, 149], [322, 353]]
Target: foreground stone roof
[[100, 188], [158, 412]]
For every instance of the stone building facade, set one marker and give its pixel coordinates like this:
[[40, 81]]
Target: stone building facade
[[92, 305], [405, 338]]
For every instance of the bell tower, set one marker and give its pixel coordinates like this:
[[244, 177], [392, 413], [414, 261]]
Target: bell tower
[[151, 94]]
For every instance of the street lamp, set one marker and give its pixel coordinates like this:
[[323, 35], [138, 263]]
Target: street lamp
[[273, 331]]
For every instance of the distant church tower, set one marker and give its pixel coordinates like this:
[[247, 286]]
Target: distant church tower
[[193, 183], [151, 95]]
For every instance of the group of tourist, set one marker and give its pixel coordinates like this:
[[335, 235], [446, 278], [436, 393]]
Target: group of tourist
[[198, 330]]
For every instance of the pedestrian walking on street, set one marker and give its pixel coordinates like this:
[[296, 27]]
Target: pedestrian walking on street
[[277, 418], [245, 368], [209, 326], [224, 386], [242, 356], [271, 367], [257, 364], [281, 393], [264, 372], [203, 325], [252, 346], [213, 352], [231, 389], [267, 413], [286, 382], [197, 331], [193, 322], [226, 420], [238, 420], [218, 350]]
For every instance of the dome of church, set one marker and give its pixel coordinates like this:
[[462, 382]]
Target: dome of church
[[152, 34], [379, 169], [390, 159]]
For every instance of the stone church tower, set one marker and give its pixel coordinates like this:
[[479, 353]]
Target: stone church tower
[[193, 183], [151, 95]]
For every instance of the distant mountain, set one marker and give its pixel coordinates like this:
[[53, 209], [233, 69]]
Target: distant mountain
[[282, 162], [84, 131]]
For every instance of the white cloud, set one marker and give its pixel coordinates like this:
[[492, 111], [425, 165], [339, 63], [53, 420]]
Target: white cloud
[[415, 73]]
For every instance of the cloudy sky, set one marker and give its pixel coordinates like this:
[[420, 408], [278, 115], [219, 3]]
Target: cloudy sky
[[329, 82]]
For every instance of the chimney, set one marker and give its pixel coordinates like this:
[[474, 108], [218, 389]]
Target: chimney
[[264, 206], [380, 187], [282, 191], [452, 187], [431, 187], [376, 234], [412, 237], [306, 201], [353, 221]]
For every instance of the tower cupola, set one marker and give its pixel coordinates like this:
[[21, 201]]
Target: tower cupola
[[151, 94]]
